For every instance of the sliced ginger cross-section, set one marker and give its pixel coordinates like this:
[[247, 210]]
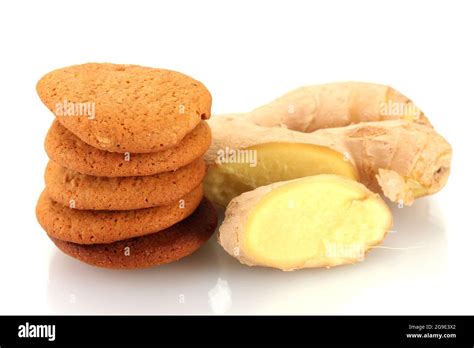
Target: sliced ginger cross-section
[[266, 163], [316, 221]]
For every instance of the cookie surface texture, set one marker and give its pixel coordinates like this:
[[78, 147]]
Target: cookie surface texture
[[159, 248], [88, 192], [125, 108], [69, 151], [100, 226]]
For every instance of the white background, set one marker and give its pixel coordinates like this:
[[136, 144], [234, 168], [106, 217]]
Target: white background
[[247, 53]]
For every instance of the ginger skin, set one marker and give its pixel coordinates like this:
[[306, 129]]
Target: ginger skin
[[309, 108]]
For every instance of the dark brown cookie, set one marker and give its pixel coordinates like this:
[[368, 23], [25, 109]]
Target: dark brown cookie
[[154, 249], [125, 108], [69, 151]]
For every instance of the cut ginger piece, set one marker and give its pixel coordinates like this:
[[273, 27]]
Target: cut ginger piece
[[243, 170], [316, 221]]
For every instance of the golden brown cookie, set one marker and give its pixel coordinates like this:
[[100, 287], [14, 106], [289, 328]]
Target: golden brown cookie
[[101, 226], [125, 108], [81, 191], [69, 151], [154, 249]]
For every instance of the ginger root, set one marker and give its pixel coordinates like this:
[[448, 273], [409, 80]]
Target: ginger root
[[331, 105], [383, 134], [316, 221]]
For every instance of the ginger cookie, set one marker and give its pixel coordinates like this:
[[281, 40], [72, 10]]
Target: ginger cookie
[[69, 187], [69, 151], [125, 108], [101, 226], [154, 249]]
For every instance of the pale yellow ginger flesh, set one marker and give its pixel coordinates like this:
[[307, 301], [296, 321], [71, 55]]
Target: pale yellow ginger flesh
[[263, 164], [316, 221], [381, 132]]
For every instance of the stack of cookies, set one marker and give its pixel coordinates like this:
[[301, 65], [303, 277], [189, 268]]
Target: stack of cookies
[[124, 181]]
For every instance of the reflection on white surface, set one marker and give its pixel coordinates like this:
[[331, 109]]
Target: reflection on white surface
[[210, 281], [220, 297], [180, 287]]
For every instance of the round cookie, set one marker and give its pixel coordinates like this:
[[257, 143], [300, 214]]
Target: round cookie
[[101, 226], [67, 187], [69, 151], [125, 108], [154, 249]]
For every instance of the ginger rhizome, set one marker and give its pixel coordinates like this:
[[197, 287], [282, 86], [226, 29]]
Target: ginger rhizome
[[388, 141]]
